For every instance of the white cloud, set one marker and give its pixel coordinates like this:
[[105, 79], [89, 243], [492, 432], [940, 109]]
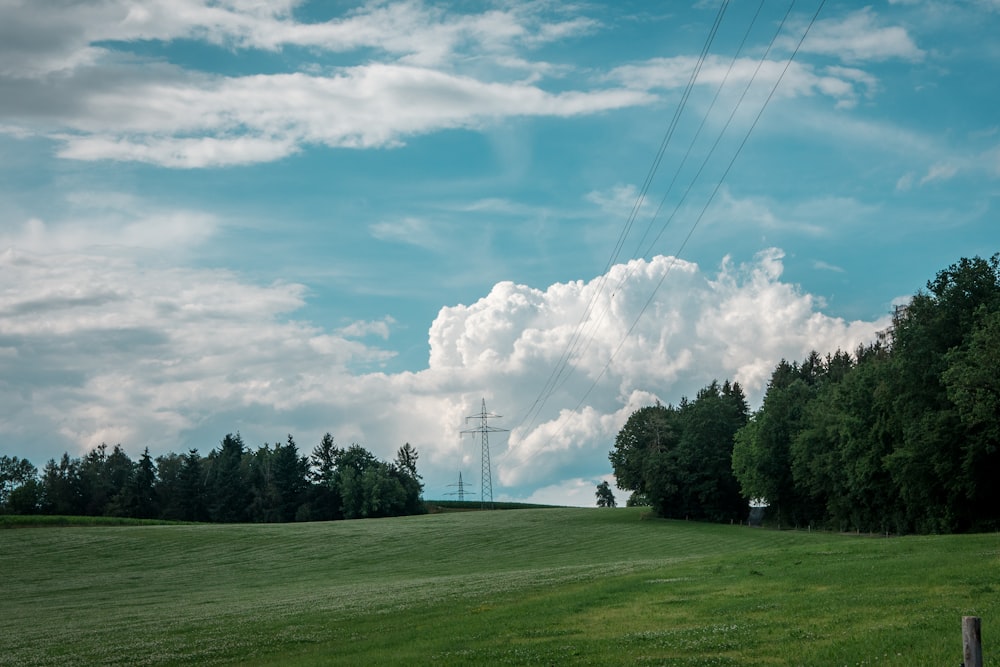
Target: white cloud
[[178, 152], [363, 329], [44, 38], [617, 203], [942, 171], [214, 121], [858, 37], [937, 172], [64, 76], [111, 219], [576, 492], [843, 84], [409, 230], [818, 217], [826, 266]]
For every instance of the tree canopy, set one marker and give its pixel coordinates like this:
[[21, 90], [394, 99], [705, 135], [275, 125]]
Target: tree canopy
[[679, 459], [605, 496], [901, 436], [233, 483]]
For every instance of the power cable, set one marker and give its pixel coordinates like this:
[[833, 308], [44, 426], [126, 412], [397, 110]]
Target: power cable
[[711, 197], [642, 253], [561, 366]]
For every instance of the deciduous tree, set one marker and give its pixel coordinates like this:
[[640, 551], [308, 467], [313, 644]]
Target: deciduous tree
[[605, 497]]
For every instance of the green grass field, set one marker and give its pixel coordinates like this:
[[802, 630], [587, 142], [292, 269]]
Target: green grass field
[[531, 587]]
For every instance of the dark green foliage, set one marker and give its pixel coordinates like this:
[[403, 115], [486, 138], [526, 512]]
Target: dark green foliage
[[142, 494], [169, 493], [228, 489], [406, 460], [15, 474], [325, 502], [904, 437], [278, 483], [636, 499], [289, 478], [61, 487], [768, 453], [972, 383], [679, 459], [706, 451], [232, 484], [939, 456], [371, 488], [191, 481], [605, 497], [405, 470], [643, 451], [20, 490]]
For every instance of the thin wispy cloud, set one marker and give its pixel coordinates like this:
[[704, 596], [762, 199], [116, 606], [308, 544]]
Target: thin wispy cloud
[[861, 37]]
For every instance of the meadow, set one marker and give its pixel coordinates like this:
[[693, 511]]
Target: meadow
[[526, 587]]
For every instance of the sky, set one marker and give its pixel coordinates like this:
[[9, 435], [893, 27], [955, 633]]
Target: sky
[[366, 218]]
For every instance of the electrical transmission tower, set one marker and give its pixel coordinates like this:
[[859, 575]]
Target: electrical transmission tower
[[462, 489], [486, 490]]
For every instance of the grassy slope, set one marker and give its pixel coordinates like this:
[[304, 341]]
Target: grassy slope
[[529, 587]]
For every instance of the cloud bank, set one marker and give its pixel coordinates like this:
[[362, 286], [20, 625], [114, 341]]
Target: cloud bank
[[100, 348]]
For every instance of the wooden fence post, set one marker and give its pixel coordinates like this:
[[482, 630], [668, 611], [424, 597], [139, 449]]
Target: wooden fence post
[[972, 643]]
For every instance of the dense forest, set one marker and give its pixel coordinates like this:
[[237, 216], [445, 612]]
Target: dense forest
[[233, 483], [900, 436]]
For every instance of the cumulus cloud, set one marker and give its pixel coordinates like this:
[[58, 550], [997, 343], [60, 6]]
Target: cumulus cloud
[[734, 324]]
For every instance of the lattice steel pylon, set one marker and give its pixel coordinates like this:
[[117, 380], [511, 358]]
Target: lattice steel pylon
[[463, 489], [486, 489]]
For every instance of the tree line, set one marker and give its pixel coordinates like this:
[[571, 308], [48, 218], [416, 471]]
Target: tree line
[[901, 436], [233, 483]]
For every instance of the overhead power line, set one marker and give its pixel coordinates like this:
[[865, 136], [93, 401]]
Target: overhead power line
[[563, 363]]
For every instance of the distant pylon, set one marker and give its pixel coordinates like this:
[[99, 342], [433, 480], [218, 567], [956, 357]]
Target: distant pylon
[[486, 490], [462, 489]]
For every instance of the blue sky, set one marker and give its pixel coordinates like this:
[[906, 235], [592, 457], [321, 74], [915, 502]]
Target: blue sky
[[364, 218]]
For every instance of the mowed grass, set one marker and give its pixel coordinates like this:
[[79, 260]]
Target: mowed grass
[[528, 587]]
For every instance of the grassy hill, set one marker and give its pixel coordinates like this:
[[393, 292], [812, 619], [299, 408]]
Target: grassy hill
[[532, 587]]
